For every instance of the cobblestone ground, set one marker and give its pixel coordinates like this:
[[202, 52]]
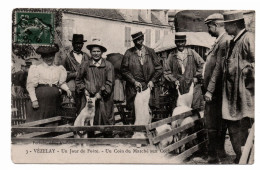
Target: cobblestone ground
[[228, 160]]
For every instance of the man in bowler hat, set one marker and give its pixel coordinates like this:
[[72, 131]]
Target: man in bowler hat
[[72, 63], [141, 69]]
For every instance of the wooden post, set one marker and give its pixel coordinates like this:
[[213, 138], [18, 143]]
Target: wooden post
[[248, 146]]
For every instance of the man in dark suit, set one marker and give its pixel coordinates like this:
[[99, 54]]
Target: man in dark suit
[[72, 63], [212, 86]]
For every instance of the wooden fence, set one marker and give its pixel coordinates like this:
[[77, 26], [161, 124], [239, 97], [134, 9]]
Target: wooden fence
[[198, 135], [63, 133], [18, 108]]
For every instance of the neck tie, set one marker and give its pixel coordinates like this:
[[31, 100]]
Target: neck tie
[[231, 47]]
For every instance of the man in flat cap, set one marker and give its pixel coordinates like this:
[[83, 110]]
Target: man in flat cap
[[141, 69], [71, 64], [212, 86], [182, 68], [238, 81]]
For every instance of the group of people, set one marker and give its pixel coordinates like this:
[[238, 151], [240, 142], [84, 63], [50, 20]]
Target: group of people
[[227, 79], [229, 84]]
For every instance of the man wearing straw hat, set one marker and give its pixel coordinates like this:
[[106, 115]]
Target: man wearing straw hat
[[182, 68], [96, 78], [71, 64], [141, 69], [238, 81], [213, 88]]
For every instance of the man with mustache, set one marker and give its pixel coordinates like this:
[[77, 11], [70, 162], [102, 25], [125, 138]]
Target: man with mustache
[[72, 63], [183, 67], [213, 88], [141, 69]]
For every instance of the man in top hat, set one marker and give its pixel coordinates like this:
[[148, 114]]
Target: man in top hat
[[141, 69], [238, 81], [182, 68], [96, 78], [71, 64], [212, 85]]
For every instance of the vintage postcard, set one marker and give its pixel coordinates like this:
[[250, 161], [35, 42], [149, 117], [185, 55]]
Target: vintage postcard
[[147, 86]]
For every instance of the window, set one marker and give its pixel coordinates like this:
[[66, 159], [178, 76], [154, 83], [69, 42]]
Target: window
[[127, 37], [148, 37]]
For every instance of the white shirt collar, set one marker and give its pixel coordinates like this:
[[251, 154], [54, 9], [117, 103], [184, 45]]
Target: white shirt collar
[[219, 36], [241, 32], [46, 65], [97, 64], [182, 55], [80, 53]]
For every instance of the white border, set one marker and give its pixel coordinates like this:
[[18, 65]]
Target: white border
[[6, 13]]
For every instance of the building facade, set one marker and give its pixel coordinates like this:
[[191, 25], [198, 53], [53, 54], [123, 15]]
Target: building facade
[[114, 26]]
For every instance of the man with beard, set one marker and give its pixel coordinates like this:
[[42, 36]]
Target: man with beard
[[238, 81], [182, 68], [72, 63], [96, 79], [212, 86], [141, 69]]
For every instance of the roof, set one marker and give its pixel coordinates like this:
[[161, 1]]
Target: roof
[[111, 14], [103, 13], [193, 38], [155, 20]]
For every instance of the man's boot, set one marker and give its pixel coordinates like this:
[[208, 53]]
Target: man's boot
[[212, 147]]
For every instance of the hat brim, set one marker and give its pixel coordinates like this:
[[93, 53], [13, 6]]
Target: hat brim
[[138, 37], [180, 39], [90, 46], [79, 41], [46, 52], [234, 20]]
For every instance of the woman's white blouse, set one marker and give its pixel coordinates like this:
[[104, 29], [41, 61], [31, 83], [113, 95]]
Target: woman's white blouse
[[45, 74]]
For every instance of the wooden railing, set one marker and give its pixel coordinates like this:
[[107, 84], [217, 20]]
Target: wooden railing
[[18, 108]]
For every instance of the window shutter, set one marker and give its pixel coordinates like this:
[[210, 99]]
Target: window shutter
[[127, 37], [148, 37], [157, 35]]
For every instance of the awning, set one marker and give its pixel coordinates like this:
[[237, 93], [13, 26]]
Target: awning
[[193, 38]]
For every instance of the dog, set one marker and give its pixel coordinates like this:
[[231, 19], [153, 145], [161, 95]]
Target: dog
[[86, 117]]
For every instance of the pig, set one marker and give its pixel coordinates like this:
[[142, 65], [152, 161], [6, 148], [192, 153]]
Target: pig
[[142, 111], [183, 105], [86, 116], [161, 130]]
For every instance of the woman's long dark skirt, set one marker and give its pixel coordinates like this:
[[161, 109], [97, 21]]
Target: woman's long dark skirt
[[49, 104]]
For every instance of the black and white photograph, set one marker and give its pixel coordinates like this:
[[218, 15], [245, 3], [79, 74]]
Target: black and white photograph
[[133, 86]]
